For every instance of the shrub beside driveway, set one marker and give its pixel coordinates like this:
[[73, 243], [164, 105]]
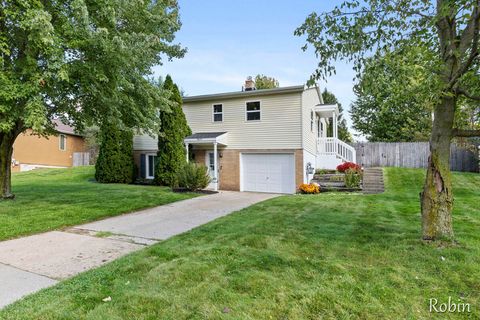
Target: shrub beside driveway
[[49, 199]]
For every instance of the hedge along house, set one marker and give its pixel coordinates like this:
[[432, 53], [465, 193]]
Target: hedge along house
[[55, 151], [267, 140]]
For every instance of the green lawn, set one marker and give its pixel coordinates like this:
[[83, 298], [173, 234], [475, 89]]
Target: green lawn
[[49, 199], [332, 256]]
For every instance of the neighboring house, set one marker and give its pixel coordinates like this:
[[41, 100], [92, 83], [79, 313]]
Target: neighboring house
[[55, 151], [257, 140]]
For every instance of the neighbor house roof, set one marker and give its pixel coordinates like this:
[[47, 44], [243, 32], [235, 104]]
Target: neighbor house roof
[[241, 94], [60, 127]]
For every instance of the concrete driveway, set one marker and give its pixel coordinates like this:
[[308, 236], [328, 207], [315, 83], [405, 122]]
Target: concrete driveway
[[31, 263]]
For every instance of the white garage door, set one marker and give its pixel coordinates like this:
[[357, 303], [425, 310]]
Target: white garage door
[[268, 172]]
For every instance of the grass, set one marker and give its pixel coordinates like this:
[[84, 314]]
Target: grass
[[50, 199], [331, 256]]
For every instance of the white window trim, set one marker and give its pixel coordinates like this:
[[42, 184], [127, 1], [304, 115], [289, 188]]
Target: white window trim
[[60, 142], [214, 113], [246, 111], [312, 120], [147, 163]]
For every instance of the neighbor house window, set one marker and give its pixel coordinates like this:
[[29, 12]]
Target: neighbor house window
[[217, 113], [253, 111], [150, 168], [63, 142]]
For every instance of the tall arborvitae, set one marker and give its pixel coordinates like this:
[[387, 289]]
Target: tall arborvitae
[[115, 160], [174, 129]]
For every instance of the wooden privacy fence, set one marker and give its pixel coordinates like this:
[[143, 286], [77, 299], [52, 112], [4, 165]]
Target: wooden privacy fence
[[81, 159], [412, 155]]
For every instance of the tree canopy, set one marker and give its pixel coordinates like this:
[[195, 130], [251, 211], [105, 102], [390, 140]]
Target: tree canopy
[[85, 62], [391, 105], [265, 82]]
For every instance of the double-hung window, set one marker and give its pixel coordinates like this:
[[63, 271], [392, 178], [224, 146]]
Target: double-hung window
[[217, 113], [253, 111]]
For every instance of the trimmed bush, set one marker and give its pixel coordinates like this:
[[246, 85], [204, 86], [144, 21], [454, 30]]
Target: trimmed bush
[[325, 171], [171, 154], [193, 177], [352, 178], [115, 160]]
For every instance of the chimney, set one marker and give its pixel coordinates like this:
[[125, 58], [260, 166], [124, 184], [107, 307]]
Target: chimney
[[249, 84]]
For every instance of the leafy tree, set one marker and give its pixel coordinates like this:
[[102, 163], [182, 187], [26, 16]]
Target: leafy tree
[[174, 128], [448, 31], [391, 104], [343, 134], [264, 82], [115, 160], [383, 111], [83, 61]]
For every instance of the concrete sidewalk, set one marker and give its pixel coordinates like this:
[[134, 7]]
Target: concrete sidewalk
[[31, 263]]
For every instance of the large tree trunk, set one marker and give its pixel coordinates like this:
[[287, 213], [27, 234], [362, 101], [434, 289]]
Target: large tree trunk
[[437, 195], [6, 150]]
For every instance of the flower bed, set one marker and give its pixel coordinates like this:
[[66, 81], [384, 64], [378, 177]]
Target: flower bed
[[348, 165], [311, 188]]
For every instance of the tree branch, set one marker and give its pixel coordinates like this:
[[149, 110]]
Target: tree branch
[[468, 41], [467, 94], [470, 30], [465, 133]]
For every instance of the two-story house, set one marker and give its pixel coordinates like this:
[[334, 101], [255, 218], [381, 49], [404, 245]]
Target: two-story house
[[257, 140]]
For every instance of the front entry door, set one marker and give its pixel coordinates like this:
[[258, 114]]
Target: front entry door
[[209, 162]]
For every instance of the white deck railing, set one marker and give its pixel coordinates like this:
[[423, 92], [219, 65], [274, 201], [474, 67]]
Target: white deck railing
[[335, 146]]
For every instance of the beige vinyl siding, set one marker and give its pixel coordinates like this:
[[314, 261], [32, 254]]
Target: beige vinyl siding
[[279, 127], [145, 142], [310, 99]]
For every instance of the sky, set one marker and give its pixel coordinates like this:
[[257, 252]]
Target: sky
[[230, 40]]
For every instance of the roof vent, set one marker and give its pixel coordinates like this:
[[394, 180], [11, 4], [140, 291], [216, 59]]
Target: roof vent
[[249, 84]]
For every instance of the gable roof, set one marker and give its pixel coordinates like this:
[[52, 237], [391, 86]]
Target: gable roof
[[60, 127], [241, 94]]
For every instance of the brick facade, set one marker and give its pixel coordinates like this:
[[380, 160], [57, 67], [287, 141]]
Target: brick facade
[[229, 165]]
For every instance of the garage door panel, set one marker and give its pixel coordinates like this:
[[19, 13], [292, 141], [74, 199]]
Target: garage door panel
[[268, 172]]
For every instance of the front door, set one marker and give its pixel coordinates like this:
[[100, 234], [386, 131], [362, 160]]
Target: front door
[[209, 162]]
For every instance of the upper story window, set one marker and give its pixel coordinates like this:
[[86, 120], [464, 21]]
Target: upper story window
[[217, 113], [62, 143], [253, 111]]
